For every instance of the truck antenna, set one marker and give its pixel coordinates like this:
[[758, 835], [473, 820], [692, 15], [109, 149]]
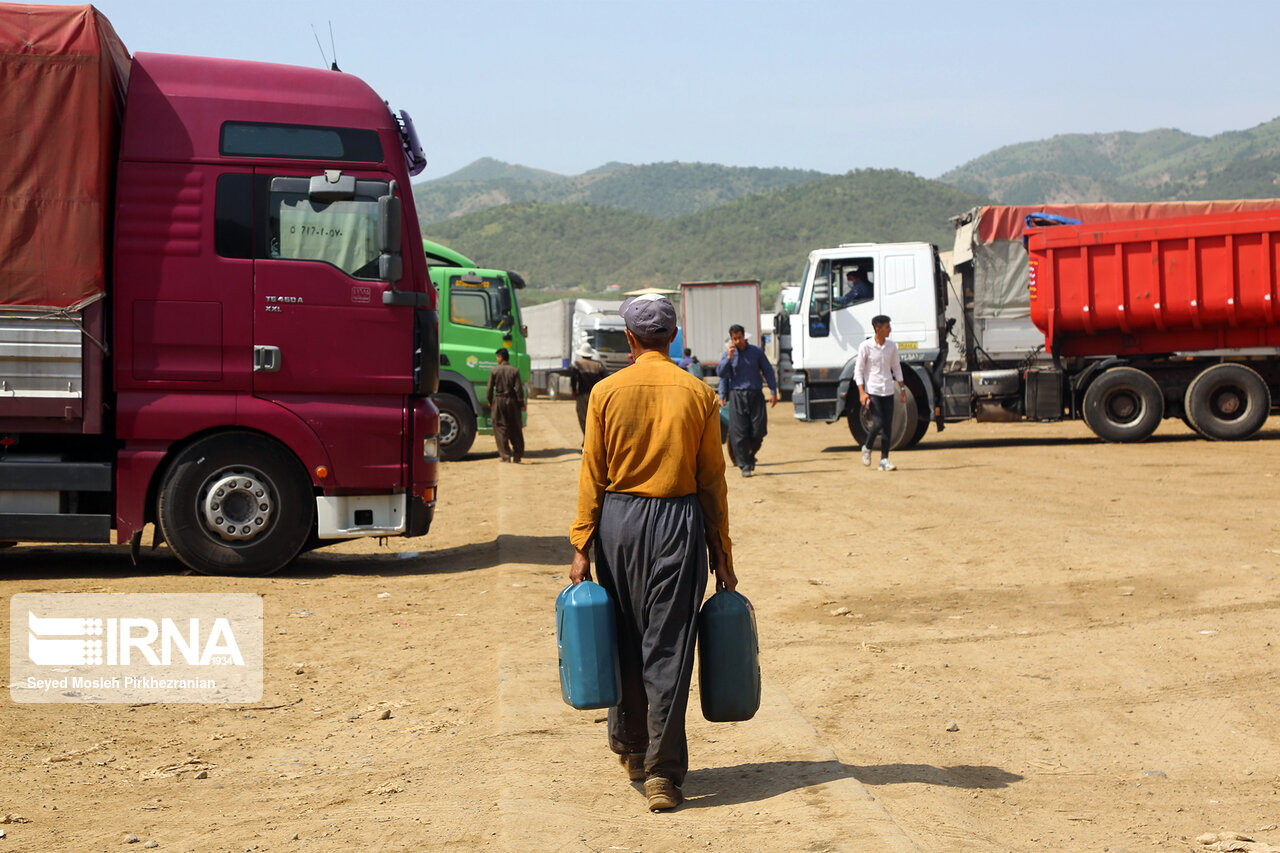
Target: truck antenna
[[324, 59], [333, 48]]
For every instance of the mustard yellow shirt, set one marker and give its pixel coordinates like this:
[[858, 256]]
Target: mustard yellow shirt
[[652, 430]]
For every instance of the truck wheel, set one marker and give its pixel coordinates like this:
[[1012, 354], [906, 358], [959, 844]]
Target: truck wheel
[[906, 421], [236, 503], [1227, 402], [1123, 405], [922, 427], [457, 427]]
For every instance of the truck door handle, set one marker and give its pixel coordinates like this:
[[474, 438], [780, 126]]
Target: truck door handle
[[266, 359]]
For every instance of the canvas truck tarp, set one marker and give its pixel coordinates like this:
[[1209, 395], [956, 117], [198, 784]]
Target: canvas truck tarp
[[63, 72], [991, 237]]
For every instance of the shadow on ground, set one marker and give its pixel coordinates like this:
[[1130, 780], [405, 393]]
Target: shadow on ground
[[933, 442], [53, 562], [745, 783]]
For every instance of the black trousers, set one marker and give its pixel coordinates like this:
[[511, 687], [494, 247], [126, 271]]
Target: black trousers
[[651, 557], [748, 425], [881, 422], [508, 431]]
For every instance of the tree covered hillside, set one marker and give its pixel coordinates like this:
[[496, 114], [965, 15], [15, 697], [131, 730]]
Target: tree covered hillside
[[765, 236], [663, 190], [1160, 165]]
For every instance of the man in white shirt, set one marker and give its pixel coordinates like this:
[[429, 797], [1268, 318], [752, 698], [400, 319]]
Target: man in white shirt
[[877, 371]]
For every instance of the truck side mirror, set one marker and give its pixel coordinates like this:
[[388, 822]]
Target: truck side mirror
[[820, 308], [390, 262], [390, 267], [389, 223], [504, 301]]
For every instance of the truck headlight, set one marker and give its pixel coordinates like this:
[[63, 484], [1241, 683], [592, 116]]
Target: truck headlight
[[431, 448]]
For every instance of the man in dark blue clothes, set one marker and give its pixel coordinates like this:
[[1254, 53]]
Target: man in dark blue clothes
[[743, 370]]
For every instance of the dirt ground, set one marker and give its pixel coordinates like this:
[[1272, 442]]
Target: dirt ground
[[1023, 639]]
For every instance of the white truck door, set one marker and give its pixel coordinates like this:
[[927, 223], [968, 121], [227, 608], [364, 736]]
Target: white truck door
[[905, 293]]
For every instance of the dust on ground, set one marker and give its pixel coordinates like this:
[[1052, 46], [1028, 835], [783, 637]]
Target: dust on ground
[[1023, 639]]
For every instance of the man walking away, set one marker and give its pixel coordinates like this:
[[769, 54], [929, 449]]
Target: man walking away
[[741, 370], [876, 371], [584, 373], [506, 402], [652, 500]]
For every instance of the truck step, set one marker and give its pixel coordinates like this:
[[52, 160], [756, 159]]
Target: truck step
[[48, 527], [55, 476]]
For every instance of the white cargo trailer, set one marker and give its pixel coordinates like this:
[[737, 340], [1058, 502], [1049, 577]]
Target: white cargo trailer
[[709, 308]]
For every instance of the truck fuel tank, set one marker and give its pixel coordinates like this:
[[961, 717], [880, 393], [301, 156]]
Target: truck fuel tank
[[995, 383]]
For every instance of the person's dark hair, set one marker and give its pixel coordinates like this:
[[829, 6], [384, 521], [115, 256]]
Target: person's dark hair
[[879, 320], [503, 356], [736, 329], [688, 351], [654, 343]]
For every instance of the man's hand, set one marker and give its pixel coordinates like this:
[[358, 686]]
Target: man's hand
[[773, 399], [903, 395], [725, 578], [723, 402], [863, 397], [580, 568]]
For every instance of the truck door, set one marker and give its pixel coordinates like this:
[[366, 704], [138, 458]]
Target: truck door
[[906, 293], [325, 346], [320, 325], [854, 300]]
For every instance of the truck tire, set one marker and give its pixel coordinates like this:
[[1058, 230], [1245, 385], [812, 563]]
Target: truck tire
[[1123, 405], [906, 421], [236, 503], [1227, 402], [922, 427], [457, 427]]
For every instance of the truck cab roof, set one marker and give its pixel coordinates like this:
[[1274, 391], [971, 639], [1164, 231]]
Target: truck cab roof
[[178, 106]]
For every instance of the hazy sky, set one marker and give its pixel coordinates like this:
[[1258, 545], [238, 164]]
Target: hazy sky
[[568, 85]]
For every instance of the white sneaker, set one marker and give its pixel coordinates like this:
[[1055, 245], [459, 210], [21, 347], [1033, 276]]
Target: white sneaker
[[866, 456], [886, 465]]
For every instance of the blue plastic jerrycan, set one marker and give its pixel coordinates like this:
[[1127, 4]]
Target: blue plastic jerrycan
[[587, 639], [728, 658]]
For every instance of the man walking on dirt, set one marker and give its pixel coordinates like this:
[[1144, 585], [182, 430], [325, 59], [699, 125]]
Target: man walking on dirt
[[741, 370], [876, 371], [506, 401], [652, 500], [584, 373]]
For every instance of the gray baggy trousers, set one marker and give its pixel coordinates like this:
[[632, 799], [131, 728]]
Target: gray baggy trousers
[[651, 556]]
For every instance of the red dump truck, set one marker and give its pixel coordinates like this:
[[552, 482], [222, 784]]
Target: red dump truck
[[215, 311], [1140, 313]]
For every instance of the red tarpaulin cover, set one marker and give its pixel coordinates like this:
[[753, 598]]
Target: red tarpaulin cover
[[63, 72]]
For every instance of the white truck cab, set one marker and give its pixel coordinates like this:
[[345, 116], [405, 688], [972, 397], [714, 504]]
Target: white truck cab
[[843, 288]]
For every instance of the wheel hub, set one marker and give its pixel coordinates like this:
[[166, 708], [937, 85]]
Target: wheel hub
[[1123, 407], [448, 428], [237, 507], [1227, 403]]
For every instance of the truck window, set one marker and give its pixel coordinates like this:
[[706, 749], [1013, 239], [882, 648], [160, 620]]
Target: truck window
[[341, 233], [299, 142], [610, 340], [475, 303], [233, 216], [853, 281]]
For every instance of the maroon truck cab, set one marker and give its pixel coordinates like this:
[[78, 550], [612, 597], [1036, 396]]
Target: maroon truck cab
[[270, 328]]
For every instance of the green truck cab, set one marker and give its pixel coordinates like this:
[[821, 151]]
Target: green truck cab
[[479, 314]]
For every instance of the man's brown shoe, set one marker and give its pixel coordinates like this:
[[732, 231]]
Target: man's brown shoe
[[633, 762], [662, 793]]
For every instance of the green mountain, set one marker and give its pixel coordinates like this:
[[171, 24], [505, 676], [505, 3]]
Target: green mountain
[[1159, 165], [765, 236], [663, 190]]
